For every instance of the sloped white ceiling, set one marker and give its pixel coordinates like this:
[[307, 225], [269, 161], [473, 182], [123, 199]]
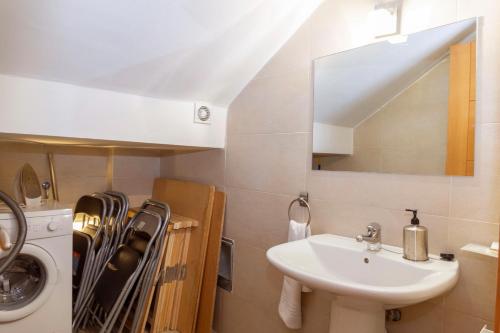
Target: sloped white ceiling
[[350, 86], [192, 50]]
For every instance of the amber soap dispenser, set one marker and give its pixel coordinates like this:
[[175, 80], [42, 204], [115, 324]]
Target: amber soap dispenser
[[415, 240]]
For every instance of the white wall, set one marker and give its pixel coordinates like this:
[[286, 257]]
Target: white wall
[[47, 108], [331, 139]]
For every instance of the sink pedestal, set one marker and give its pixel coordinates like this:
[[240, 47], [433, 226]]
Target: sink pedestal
[[353, 315]]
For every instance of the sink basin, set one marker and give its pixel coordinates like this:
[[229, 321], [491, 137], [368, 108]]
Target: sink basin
[[365, 283]]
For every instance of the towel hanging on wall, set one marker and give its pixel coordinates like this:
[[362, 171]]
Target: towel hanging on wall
[[290, 309]]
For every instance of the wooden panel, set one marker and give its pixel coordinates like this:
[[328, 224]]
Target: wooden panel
[[471, 131], [458, 109], [471, 139], [472, 92], [195, 201], [209, 285], [164, 297], [497, 309], [469, 171], [180, 285]]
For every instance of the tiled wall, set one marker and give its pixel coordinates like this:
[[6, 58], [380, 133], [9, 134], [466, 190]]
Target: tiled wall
[[133, 173], [82, 170], [204, 167], [392, 140], [268, 163]]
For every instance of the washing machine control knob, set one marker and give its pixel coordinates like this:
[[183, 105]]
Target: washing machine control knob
[[52, 226]]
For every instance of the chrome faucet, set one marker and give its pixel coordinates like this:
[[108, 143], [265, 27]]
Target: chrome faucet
[[373, 238]]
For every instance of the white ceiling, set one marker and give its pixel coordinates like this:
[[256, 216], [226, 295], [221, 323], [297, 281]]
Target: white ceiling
[[204, 50], [351, 85]]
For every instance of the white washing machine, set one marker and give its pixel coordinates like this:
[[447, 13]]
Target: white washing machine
[[35, 292]]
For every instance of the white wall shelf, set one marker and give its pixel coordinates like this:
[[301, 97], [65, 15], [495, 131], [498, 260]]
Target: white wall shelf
[[480, 249]]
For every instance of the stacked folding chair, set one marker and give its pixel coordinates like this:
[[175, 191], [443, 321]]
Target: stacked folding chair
[[92, 212], [121, 286]]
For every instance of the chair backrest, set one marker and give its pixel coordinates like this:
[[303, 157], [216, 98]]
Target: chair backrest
[[143, 227], [91, 206], [114, 278], [156, 206], [124, 211]]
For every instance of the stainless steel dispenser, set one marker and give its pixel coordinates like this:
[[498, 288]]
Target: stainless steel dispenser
[[415, 243]]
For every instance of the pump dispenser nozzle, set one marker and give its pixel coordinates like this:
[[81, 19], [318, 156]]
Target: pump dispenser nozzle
[[415, 219]]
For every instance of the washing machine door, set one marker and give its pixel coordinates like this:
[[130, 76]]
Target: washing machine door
[[27, 284]]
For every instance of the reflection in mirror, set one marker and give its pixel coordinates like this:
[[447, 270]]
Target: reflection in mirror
[[405, 107]]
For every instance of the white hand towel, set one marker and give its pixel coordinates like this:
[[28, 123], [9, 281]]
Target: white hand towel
[[289, 308]]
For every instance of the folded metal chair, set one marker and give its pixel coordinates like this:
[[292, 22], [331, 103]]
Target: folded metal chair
[[92, 210], [122, 220], [115, 282], [145, 281], [110, 231], [103, 244], [116, 224]]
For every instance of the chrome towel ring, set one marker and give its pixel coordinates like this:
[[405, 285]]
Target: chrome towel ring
[[302, 200]]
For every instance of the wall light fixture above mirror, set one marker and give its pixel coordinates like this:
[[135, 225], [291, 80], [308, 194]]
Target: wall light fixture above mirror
[[405, 107], [385, 19]]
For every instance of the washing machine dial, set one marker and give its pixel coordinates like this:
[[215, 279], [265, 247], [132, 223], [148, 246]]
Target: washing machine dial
[[52, 226]]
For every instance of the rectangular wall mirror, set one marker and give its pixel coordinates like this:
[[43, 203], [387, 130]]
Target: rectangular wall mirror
[[399, 107]]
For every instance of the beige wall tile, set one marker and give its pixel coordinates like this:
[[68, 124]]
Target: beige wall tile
[[427, 193], [130, 166], [424, 317], [272, 163], [273, 104], [348, 220], [204, 166], [237, 315], [92, 163], [14, 155], [474, 293], [72, 188], [134, 173], [134, 186], [400, 161], [488, 67], [7, 185], [316, 311], [463, 232], [459, 322], [259, 219], [234, 314], [255, 279]]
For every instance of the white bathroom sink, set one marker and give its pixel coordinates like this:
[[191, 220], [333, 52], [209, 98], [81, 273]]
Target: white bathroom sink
[[365, 282]]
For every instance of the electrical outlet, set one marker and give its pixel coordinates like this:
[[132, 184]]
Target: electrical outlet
[[202, 114]]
